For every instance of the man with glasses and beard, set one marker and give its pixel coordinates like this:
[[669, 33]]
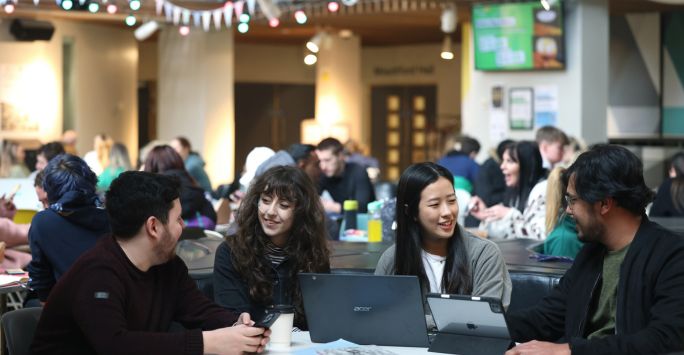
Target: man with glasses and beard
[[624, 294], [122, 295]]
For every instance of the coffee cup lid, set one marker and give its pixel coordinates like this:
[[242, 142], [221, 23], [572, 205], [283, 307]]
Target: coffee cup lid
[[283, 308]]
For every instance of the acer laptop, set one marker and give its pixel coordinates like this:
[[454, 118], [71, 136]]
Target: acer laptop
[[364, 309], [468, 325]]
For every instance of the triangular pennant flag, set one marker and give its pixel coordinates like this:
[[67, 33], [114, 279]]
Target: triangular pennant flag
[[168, 11], [228, 14], [176, 15], [186, 17], [160, 5], [196, 18], [35, 2], [206, 20], [217, 19], [238, 6], [250, 6], [81, 2]]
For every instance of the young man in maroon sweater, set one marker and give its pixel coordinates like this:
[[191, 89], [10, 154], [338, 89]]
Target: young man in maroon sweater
[[121, 296]]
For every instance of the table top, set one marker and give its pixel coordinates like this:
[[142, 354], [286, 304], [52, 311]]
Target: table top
[[301, 342], [198, 255]]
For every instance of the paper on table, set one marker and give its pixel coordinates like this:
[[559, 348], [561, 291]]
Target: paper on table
[[8, 279], [343, 347]]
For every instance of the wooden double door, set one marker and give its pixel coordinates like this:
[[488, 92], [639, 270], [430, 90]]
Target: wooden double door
[[403, 126]]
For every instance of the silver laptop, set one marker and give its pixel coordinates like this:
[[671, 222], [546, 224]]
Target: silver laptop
[[364, 309], [468, 325]]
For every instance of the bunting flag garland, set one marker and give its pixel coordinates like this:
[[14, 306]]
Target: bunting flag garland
[[228, 14], [206, 20], [251, 4], [238, 6], [168, 11], [196, 19], [185, 17], [216, 14], [176, 15], [159, 6]]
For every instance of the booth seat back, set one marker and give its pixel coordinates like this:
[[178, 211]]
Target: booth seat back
[[530, 287]]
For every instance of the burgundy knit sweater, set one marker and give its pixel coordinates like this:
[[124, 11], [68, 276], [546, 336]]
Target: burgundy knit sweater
[[105, 305]]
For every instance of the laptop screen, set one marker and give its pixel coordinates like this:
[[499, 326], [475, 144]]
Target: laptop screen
[[364, 309]]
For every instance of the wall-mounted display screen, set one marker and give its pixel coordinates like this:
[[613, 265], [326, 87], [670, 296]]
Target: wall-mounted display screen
[[519, 36]]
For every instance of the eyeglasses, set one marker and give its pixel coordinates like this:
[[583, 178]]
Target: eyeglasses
[[570, 200]]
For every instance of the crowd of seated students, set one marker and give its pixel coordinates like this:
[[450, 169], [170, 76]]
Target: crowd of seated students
[[592, 210]]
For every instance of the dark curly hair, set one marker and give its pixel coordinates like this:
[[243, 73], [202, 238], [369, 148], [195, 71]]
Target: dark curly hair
[[306, 247], [610, 171]]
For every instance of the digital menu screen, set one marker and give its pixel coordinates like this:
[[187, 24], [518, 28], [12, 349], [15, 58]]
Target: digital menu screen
[[518, 36]]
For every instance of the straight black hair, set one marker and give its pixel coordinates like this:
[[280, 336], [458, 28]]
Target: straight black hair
[[527, 155], [408, 259]]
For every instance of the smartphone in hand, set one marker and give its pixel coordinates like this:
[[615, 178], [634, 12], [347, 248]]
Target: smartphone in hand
[[268, 320]]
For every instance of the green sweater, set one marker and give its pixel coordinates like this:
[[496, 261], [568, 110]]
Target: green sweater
[[563, 241]]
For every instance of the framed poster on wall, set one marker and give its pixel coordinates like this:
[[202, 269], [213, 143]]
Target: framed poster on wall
[[521, 108]]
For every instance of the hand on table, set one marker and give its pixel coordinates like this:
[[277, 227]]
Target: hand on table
[[477, 207], [236, 340], [535, 347], [7, 208]]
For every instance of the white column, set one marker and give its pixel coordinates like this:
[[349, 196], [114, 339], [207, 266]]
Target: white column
[[196, 99], [338, 85]]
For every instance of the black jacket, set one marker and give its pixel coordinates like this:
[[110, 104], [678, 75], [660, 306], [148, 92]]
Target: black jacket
[[231, 290], [650, 299], [192, 197]]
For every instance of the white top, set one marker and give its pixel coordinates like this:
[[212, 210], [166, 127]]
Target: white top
[[434, 268], [528, 224]]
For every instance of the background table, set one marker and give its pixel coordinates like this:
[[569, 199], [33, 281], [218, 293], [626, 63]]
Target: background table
[[302, 341]]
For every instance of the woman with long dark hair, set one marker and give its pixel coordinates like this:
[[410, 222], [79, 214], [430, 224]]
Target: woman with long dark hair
[[431, 245], [669, 201], [197, 210], [281, 232], [523, 212]]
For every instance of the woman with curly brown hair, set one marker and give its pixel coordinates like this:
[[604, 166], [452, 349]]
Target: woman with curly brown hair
[[281, 232]]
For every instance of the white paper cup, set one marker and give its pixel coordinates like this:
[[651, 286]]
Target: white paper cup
[[281, 330]]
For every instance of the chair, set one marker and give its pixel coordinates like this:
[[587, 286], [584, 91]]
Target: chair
[[18, 328], [530, 287]]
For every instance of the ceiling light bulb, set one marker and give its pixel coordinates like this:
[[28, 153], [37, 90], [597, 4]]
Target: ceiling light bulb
[[310, 59], [134, 5], [333, 6], [184, 30], [67, 4], [9, 8], [314, 43], [300, 17], [93, 7], [244, 18], [111, 9], [243, 27], [130, 20], [447, 51], [274, 22]]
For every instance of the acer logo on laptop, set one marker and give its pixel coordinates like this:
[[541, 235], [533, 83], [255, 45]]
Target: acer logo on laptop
[[471, 326], [362, 309]]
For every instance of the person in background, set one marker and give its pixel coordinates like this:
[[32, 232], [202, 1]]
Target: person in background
[[47, 152], [280, 234], [561, 229], [121, 296], [551, 141], [40, 192], [490, 185], [72, 225], [357, 153], [342, 180], [69, 138], [523, 213], [624, 294], [302, 156], [197, 210], [12, 161], [12, 234], [669, 200], [98, 158], [194, 163], [574, 148], [118, 163], [431, 245], [460, 161]]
